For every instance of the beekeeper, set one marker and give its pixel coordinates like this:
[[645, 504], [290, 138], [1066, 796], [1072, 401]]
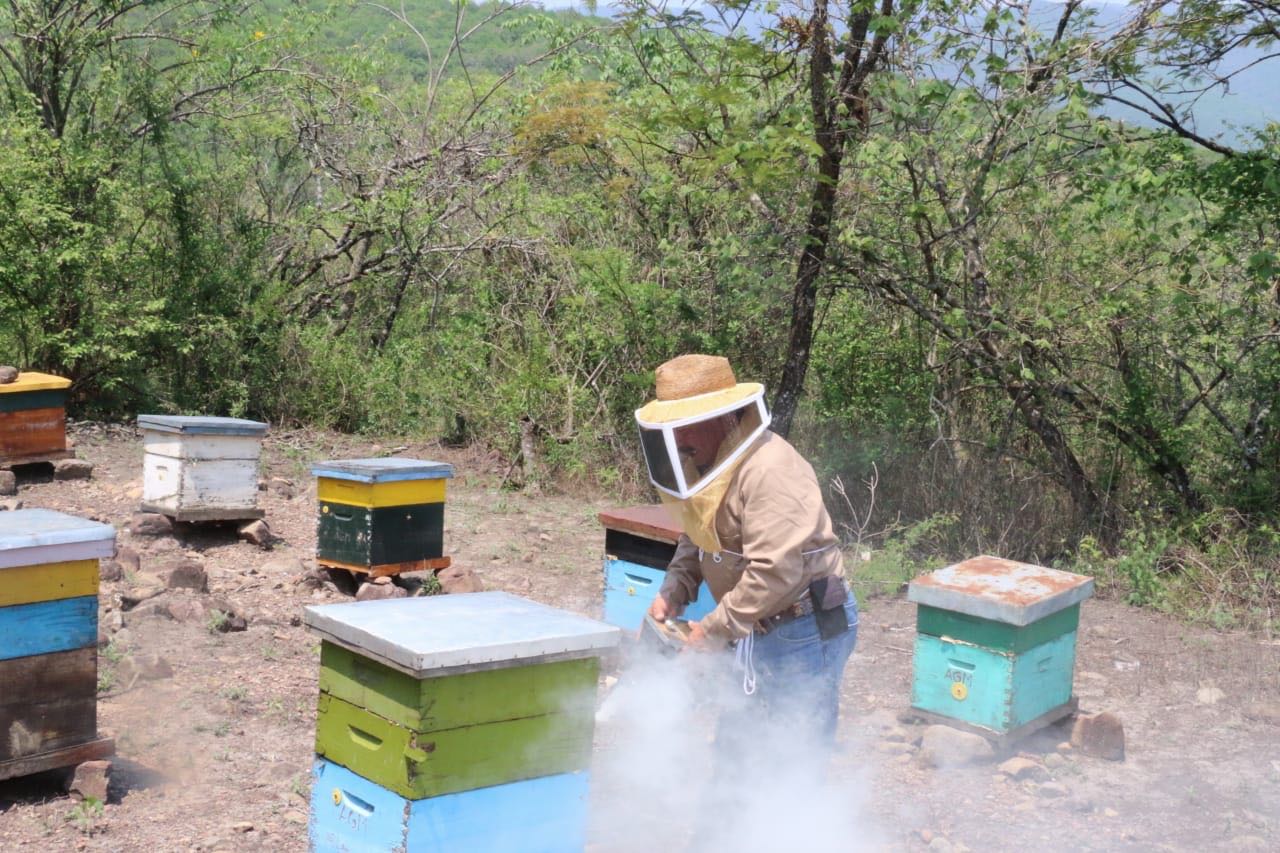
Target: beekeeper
[[757, 531]]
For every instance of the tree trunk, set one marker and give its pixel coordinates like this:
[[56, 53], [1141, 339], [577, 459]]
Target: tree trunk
[[529, 456], [804, 299], [838, 105]]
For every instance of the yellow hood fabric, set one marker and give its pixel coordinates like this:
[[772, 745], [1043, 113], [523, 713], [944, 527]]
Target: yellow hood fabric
[[696, 515]]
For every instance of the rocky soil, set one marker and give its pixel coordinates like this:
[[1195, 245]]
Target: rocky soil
[[208, 684]]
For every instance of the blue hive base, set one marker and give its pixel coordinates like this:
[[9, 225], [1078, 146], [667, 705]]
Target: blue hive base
[[350, 814]]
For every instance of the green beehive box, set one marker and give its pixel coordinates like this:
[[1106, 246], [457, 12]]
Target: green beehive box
[[431, 696], [418, 764], [995, 645], [435, 704]]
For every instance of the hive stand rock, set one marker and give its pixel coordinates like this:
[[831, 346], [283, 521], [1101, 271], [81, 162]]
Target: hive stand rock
[[150, 524], [91, 780], [72, 469], [1099, 735]]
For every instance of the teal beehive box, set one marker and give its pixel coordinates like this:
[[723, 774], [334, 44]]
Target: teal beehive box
[[996, 645]]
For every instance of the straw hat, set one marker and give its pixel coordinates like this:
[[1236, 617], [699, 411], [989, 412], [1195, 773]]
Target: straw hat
[[691, 385]]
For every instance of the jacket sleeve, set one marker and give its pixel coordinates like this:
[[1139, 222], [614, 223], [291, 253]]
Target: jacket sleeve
[[777, 520], [684, 575]]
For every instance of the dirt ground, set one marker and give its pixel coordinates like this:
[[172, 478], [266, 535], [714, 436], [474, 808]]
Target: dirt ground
[[214, 753]]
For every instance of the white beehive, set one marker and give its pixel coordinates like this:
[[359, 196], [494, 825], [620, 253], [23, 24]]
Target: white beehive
[[201, 468]]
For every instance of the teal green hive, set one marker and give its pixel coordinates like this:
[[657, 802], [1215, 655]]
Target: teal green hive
[[996, 645]]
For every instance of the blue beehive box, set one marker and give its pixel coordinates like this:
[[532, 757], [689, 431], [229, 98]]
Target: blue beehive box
[[639, 542], [995, 645], [350, 813]]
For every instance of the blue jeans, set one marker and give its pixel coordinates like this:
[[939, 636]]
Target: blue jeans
[[797, 696], [799, 672]]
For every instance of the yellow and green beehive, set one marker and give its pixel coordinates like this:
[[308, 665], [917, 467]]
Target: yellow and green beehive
[[995, 645], [453, 706], [381, 516]]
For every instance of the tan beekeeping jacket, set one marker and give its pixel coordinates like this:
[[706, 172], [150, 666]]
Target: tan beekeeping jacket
[[776, 538]]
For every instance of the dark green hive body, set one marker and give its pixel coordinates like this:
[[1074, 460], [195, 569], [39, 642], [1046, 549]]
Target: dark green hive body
[[375, 536]]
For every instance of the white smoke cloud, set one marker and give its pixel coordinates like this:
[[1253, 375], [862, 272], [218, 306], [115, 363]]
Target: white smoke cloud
[[659, 783]]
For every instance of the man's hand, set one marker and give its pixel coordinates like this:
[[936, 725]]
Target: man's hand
[[698, 639], [660, 610]]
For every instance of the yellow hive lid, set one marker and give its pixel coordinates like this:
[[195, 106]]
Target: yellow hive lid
[[30, 380]]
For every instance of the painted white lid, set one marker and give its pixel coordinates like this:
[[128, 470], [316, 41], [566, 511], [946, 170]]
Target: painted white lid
[[1001, 590], [446, 634], [201, 425], [382, 470], [33, 536]]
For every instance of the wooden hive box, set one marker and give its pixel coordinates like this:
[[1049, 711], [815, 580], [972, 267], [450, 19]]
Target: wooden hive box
[[995, 644], [201, 468], [381, 516], [639, 543], [33, 419], [446, 708], [48, 640]]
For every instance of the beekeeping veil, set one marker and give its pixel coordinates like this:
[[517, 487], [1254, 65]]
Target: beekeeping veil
[[695, 434]]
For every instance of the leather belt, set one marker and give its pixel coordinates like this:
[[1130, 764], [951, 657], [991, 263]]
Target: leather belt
[[802, 608]]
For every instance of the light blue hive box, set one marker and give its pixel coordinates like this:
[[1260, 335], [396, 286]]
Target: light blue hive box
[[639, 542], [996, 645]]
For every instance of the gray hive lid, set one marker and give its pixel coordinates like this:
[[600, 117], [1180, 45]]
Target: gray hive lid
[[384, 470], [1001, 590], [448, 634], [26, 533], [200, 425]]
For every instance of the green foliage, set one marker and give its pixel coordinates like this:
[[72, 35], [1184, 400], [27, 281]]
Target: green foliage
[[106, 679], [217, 620], [430, 586], [86, 814], [1217, 569], [1038, 332], [904, 553]]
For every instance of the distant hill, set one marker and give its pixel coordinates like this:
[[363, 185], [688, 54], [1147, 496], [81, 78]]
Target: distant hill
[[496, 47]]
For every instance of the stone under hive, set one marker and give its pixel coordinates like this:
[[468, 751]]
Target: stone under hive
[[49, 640], [996, 644], [639, 543], [460, 722], [381, 516], [201, 468], [33, 419]]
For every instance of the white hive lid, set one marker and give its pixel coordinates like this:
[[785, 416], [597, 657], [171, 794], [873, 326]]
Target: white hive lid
[[200, 425], [31, 536], [382, 470], [448, 634], [1001, 590]]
